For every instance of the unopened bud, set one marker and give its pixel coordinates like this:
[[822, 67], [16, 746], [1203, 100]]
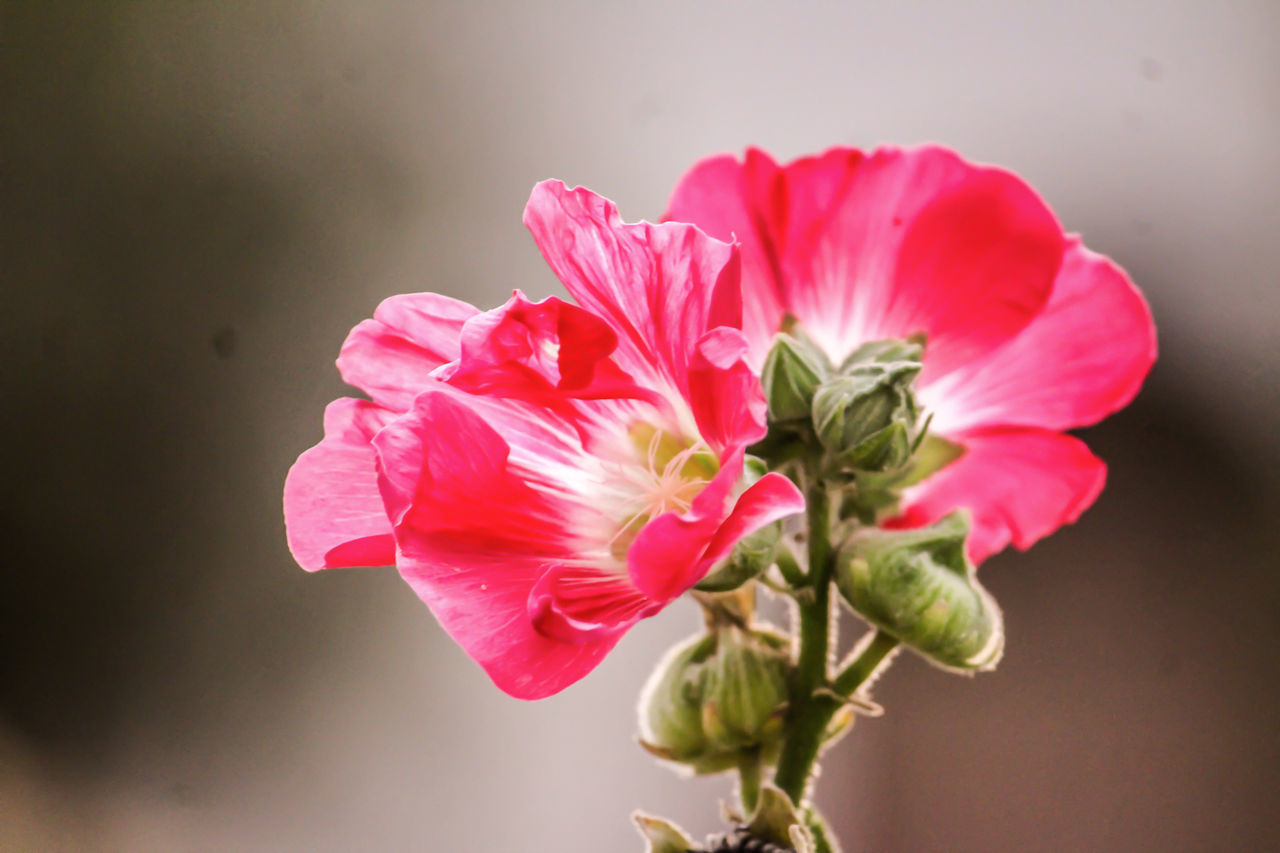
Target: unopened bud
[[746, 685], [714, 696], [919, 586], [868, 417], [792, 372]]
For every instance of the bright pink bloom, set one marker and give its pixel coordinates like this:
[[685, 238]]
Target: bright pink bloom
[[545, 475], [1028, 333]]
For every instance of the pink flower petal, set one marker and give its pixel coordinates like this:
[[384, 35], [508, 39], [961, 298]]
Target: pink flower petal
[[446, 484], [728, 402], [860, 247], [474, 538], [485, 609], [333, 512], [769, 499], [742, 201], [547, 352], [390, 356], [1019, 484], [661, 287], [666, 557], [1081, 359], [578, 605]]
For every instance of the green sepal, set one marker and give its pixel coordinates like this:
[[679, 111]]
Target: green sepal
[[662, 835], [792, 371], [884, 351], [777, 821], [874, 496], [919, 586]]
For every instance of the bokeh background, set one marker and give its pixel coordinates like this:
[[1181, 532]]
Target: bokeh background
[[199, 200]]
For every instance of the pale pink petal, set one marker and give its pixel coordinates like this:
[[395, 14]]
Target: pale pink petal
[[661, 287], [390, 356], [1081, 359], [1019, 484], [333, 512], [724, 392]]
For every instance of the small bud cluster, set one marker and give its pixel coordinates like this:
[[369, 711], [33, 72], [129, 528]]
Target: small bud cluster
[[862, 414], [715, 696]]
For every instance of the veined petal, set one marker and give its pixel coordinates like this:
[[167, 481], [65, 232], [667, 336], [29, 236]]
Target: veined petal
[[334, 517], [580, 605], [661, 287], [546, 352], [725, 393], [390, 356], [742, 201], [1082, 358], [1019, 484], [769, 499], [897, 242], [485, 609], [474, 537]]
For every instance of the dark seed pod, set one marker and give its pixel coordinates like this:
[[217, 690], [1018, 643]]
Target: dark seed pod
[[742, 841]]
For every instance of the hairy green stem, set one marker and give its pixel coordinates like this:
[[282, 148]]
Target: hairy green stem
[[788, 566], [749, 776], [810, 712], [862, 667]]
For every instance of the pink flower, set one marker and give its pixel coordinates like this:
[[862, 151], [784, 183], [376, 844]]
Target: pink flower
[[1028, 332], [545, 475]]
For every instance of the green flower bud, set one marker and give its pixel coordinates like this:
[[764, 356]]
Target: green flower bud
[[751, 556], [919, 586], [745, 686], [867, 417], [792, 372], [714, 696]]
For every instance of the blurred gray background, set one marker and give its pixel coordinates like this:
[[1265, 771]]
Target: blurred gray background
[[199, 200]]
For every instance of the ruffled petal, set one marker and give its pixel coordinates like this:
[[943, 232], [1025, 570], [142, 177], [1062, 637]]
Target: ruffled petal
[[1082, 358], [1019, 484], [391, 356], [769, 499], [334, 517], [725, 393], [445, 481], [660, 287], [546, 352], [742, 202]]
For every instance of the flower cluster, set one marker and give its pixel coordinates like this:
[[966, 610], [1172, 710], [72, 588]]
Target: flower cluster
[[546, 474]]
